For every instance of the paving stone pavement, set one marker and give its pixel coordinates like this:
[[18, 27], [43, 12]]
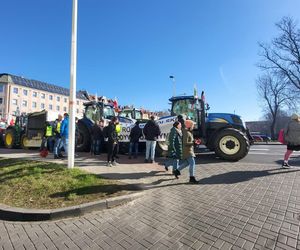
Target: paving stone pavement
[[234, 206]]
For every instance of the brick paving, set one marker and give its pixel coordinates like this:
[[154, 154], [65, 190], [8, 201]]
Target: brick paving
[[234, 206]]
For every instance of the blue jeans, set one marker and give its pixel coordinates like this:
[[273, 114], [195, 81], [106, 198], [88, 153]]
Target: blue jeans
[[190, 161], [150, 150], [96, 147], [57, 146], [65, 142], [134, 145]]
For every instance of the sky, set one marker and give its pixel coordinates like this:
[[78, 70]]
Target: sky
[[129, 48]]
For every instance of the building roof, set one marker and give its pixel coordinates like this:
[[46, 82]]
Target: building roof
[[34, 84]]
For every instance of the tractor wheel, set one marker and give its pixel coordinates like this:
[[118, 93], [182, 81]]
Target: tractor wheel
[[9, 138], [231, 144], [24, 141], [161, 148], [83, 141]]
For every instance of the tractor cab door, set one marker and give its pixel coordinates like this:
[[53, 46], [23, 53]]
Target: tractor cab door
[[193, 110]]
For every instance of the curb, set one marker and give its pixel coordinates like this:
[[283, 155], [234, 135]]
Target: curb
[[24, 214]]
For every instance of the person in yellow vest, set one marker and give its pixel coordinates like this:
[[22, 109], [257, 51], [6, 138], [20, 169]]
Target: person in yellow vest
[[48, 135], [58, 141]]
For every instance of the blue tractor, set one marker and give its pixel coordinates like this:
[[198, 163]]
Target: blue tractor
[[225, 134]]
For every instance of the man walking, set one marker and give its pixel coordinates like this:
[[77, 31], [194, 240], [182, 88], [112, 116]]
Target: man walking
[[64, 132], [151, 132], [57, 136]]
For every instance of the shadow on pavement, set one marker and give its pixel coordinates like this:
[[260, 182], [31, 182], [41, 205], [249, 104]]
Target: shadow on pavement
[[241, 176]]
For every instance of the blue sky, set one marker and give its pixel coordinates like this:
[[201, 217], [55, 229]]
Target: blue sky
[[129, 48]]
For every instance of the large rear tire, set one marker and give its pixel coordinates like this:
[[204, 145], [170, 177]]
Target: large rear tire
[[9, 138], [161, 148], [24, 142], [83, 142], [231, 144]]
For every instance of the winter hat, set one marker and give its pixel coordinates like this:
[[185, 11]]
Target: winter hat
[[188, 123]]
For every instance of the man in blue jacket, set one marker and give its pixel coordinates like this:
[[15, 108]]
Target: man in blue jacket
[[64, 132]]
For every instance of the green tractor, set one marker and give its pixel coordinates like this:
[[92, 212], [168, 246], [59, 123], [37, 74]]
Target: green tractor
[[13, 133], [27, 132]]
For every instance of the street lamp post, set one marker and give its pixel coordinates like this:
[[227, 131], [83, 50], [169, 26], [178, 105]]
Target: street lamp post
[[174, 84], [72, 97]]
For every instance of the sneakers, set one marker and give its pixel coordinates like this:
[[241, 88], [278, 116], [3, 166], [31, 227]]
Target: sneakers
[[151, 161], [56, 157], [166, 168], [285, 165], [114, 163], [146, 160], [109, 164]]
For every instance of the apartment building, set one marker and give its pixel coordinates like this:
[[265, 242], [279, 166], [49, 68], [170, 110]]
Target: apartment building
[[20, 95]]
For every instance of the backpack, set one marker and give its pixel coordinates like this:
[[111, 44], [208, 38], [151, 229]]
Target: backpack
[[281, 136]]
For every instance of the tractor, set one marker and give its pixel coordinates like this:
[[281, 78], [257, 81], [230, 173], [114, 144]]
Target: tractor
[[14, 133], [133, 113], [94, 111], [225, 134]]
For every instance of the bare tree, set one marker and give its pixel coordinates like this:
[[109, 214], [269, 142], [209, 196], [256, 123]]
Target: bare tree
[[282, 56], [276, 95]]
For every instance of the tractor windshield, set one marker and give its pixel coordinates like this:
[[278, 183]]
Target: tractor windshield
[[185, 107], [93, 113], [138, 115], [108, 111], [126, 113]]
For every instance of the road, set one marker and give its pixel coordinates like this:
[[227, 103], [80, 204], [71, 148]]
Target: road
[[251, 204]]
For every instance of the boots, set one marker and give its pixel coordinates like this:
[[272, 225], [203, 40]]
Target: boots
[[193, 180], [176, 172]]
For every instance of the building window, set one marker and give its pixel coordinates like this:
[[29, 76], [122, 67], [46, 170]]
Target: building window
[[50, 97], [43, 95], [1, 87], [77, 111], [50, 106], [58, 98], [42, 105], [1, 100], [16, 90], [34, 94], [34, 104], [24, 103], [65, 100], [57, 108], [14, 101], [65, 109], [25, 92]]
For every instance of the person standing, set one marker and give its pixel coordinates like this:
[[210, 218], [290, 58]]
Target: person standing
[[112, 142], [188, 151], [292, 138], [151, 132], [96, 138], [64, 132], [134, 136], [175, 145], [57, 136]]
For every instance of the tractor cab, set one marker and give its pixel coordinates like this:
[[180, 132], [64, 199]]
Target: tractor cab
[[95, 111], [192, 108], [132, 114]]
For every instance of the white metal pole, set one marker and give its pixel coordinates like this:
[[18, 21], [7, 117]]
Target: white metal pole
[[72, 97]]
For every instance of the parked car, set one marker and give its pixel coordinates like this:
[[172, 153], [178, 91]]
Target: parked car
[[257, 138], [265, 138]]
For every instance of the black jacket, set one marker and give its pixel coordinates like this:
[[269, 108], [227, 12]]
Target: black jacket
[[151, 131], [111, 133], [135, 134], [97, 133]]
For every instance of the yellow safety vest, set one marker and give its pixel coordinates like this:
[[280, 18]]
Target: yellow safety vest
[[118, 128], [58, 127], [49, 131]]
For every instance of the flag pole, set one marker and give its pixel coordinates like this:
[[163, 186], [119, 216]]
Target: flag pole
[[72, 97]]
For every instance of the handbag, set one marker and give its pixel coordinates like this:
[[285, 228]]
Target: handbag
[[281, 136]]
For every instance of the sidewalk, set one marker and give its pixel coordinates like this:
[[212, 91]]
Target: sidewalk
[[131, 171]]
